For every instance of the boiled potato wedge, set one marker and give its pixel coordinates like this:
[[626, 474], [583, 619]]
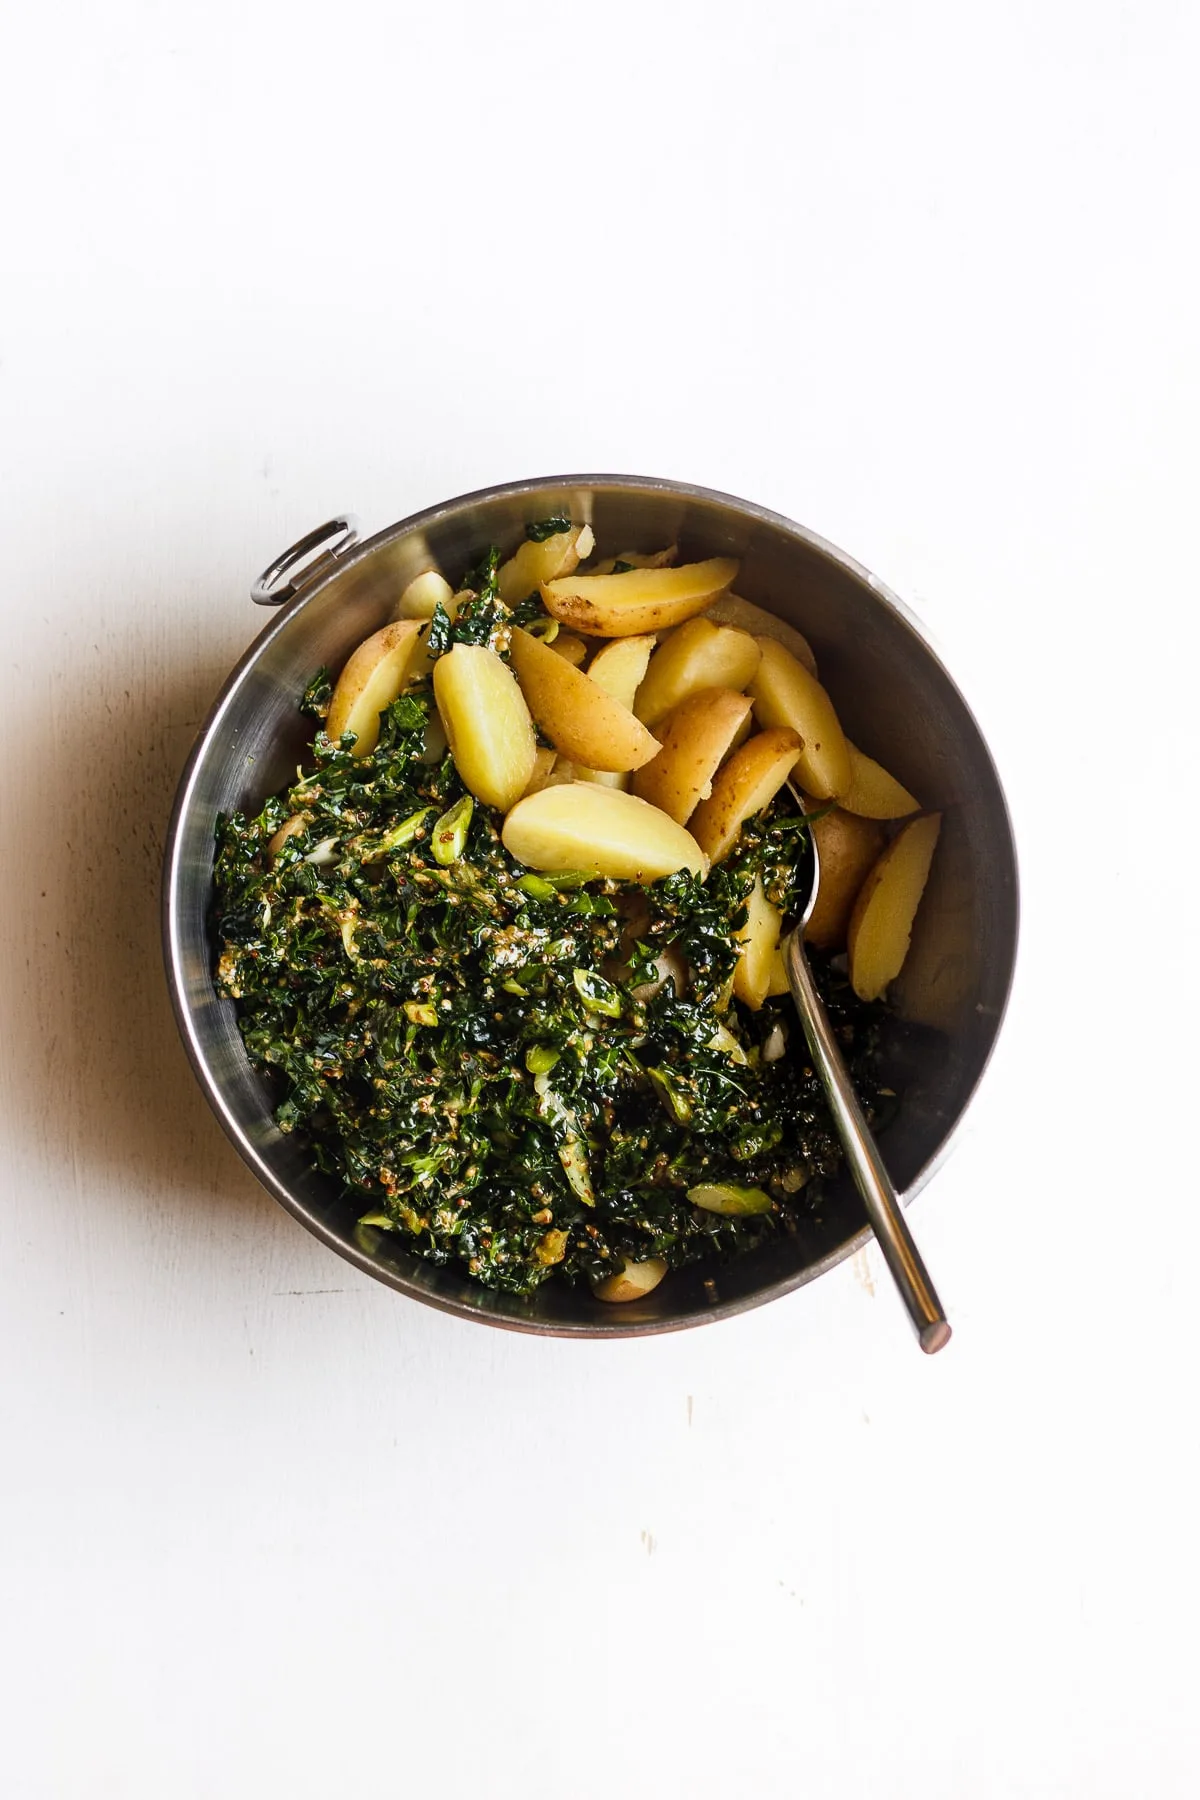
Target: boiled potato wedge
[[638, 559], [696, 736], [697, 655], [578, 826], [752, 776], [288, 829], [882, 921], [375, 675], [634, 1280], [784, 693], [565, 770], [575, 713], [487, 722], [873, 793], [639, 601], [778, 981], [848, 849], [423, 595], [571, 648], [731, 609], [543, 770], [758, 941], [620, 667], [532, 564]]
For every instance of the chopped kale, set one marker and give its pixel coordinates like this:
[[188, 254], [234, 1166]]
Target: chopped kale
[[314, 702], [526, 611], [546, 528]]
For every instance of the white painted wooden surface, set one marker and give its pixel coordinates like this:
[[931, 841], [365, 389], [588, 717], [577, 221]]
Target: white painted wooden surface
[[920, 275]]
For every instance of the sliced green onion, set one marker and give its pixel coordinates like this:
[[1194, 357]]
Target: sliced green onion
[[733, 1202], [597, 994], [676, 1101], [544, 630], [540, 1059], [404, 833], [449, 835], [536, 888]]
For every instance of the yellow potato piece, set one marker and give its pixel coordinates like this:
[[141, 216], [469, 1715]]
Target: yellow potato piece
[[784, 693], [634, 1281], [848, 849], [638, 559], [731, 609], [882, 921], [423, 595], [695, 737], [698, 655], [873, 793], [777, 982], [571, 648], [640, 601], [288, 829], [532, 564], [375, 675], [487, 722], [543, 770], [575, 713], [743, 786], [620, 667], [578, 826], [759, 943]]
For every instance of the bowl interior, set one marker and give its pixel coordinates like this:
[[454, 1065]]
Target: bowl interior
[[896, 702]]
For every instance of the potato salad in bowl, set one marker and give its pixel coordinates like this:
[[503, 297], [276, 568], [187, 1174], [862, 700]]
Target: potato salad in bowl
[[507, 948]]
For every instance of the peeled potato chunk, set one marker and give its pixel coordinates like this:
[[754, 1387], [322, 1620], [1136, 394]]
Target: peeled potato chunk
[[577, 826], [491, 734], [634, 1280], [638, 559], [572, 649], [759, 942], [639, 601], [752, 776], [873, 793], [423, 595], [698, 655], [778, 982], [731, 609], [620, 667], [882, 921], [576, 714], [695, 737], [375, 675], [543, 770], [847, 849], [785, 693], [532, 564]]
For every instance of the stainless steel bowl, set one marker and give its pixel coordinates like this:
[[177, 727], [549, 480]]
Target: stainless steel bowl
[[897, 702]]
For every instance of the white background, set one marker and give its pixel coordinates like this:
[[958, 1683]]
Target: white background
[[919, 275]]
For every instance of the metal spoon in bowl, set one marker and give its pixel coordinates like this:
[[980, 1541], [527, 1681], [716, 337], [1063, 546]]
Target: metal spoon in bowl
[[862, 1153]]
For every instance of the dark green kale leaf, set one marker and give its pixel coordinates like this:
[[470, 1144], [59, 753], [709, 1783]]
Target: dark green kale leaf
[[546, 528], [314, 702]]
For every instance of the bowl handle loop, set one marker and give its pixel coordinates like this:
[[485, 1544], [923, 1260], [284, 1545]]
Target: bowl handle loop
[[332, 540]]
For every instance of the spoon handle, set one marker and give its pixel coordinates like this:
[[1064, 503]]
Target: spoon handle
[[866, 1165]]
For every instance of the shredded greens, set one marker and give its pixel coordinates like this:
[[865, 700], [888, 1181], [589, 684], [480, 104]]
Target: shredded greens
[[520, 1073]]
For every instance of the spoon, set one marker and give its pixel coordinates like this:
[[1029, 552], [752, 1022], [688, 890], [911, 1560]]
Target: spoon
[[871, 1178]]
